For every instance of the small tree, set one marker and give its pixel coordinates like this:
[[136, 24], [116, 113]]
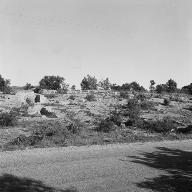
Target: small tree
[[187, 89], [52, 82], [28, 86], [171, 86], [105, 84], [73, 88], [152, 85], [89, 83], [161, 88], [4, 85]]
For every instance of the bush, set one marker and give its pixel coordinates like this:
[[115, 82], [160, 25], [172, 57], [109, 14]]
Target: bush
[[5, 85], [7, 119], [166, 102], [28, 86], [37, 90], [71, 97], [105, 84], [171, 86], [124, 94], [45, 112], [89, 83], [147, 105], [90, 97], [132, 110], [160, 126], [106, 125]]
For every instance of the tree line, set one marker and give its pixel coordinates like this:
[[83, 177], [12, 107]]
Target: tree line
[[91, 83]]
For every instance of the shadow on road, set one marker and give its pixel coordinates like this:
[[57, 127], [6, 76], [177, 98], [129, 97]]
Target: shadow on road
[[177, 164], [10, 183]]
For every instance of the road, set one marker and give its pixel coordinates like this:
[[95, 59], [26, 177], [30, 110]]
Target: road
[[152, 166]]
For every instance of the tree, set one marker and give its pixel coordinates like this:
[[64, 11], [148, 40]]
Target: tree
[[171, 86], [5, 85], [105, 84], [161, 88], [28, 86], [73, 88], [152, 85], [52, 82], [136, 87], [187, 89], [89, 83]]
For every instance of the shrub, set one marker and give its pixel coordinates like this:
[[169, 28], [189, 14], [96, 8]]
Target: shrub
[[89, 83], [8, 119], [28, 86], [147, 105], [124, 94], [71, 97], [115, 118], [105, 84], [166, 102], [161, 126], [132, 110], [105, 125], [187, 89], [90, 97], [5, 85], [37, 90], [47, 113], [171, 86]]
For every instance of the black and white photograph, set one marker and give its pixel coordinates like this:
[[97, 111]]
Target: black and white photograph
[[95, 96]]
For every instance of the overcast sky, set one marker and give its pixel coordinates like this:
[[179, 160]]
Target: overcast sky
[[125, 40]]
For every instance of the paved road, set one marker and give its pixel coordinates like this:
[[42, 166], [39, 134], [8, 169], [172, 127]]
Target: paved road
[[159, 166]]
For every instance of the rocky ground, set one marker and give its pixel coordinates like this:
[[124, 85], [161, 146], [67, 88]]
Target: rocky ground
[[74, 118]]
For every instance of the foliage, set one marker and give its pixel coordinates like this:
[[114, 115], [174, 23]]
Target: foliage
[[161, 88], [124, 94], [134, 86], [105, 125], [52, 82], [161, 126], [171, 86], [7, 119], [89, 83], [152, 85], [37, 89], [73, 88], [105, 84], [90, 97], [187, 89], [71, 97], [47, 113], [5, 85], [147, 105], [166, 102], [28, 86]]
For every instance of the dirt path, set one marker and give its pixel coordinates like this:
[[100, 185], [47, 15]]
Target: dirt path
[[159, 166]]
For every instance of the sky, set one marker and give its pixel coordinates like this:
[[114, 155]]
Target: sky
[[125, 40]]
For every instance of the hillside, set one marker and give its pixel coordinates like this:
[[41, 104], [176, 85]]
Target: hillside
[[99, 117]]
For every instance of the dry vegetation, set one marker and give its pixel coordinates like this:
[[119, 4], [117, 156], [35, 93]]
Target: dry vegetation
[[41, 117], [96, 117]]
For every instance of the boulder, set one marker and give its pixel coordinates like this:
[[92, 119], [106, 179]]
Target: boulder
[[186, 129]]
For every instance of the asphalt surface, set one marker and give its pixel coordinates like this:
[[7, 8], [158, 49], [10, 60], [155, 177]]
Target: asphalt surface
[[158, 166]]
